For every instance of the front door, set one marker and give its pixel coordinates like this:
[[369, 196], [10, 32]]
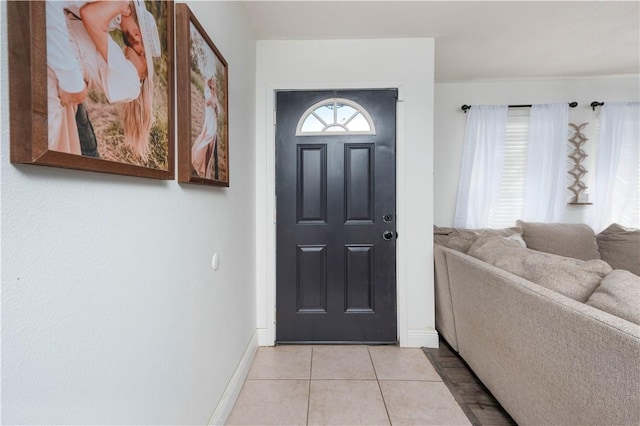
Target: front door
[[336, 218]]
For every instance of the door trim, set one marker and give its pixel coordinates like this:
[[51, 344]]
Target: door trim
[[265, 204]]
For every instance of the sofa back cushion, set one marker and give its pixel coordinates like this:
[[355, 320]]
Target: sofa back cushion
[[620, 247], [575, 240], [573, 278], [461, 239], [618, 294]]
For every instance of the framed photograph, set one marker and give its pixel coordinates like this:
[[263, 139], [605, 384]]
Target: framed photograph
[[203, 129], [91, 85]]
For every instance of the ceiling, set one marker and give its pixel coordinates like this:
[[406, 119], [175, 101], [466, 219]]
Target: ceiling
[[476, 40]]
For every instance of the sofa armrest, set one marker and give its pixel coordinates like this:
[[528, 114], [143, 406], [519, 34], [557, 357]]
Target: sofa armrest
[[547, 358], [445, 322]]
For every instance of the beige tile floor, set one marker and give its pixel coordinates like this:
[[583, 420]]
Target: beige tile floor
[[344, 385]]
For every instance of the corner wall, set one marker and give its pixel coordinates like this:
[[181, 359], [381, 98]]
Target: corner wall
[[450, 125], [111, 312], [339, 64]]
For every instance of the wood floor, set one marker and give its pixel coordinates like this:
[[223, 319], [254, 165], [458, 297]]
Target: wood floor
[[475, 399]]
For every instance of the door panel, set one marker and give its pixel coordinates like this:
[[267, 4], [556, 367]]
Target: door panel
[[312, 184], [359, 187], [311, 280], [335, 273], [359, 278]]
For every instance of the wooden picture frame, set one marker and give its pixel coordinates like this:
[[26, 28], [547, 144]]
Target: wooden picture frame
[[203, 104], [120, 138]]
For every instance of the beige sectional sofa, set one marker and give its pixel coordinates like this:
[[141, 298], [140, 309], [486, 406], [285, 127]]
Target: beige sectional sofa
[[555, 338]]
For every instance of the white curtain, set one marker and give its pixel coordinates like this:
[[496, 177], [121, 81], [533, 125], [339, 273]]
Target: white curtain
[[482, 164], [545, 190], [617, 173]]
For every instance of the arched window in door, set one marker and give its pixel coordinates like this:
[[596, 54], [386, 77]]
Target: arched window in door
[[335, 116]]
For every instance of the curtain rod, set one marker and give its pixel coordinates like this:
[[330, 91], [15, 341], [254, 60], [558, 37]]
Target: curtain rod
[[595, 104], [465, 107]]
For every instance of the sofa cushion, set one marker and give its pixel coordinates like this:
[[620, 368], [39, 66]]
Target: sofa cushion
[[573, 278], [618, 294], [575, 240], [461, 239], [620, 247]]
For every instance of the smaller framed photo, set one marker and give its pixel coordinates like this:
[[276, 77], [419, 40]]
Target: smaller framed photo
[[203, 124]]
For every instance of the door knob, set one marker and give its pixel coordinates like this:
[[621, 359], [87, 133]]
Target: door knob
[[387, 235]]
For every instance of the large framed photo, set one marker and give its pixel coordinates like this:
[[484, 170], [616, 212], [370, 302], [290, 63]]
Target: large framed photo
[[203, 131], [91, 85]]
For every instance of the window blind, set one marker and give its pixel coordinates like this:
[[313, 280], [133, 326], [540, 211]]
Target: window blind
[[511, 199]]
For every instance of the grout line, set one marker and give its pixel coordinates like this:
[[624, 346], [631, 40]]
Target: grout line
[[379, 387], [309, 394], [345, 380], [356, 380], [288, 379], [410, 380]]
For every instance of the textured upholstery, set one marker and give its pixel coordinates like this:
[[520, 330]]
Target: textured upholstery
[[620, 247], [571, 277], [445, 323], [547, 358], [618, 294], [575, 240], [461, 239]]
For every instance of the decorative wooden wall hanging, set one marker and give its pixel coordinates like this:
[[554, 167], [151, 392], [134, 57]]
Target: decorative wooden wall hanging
[[577, 156]]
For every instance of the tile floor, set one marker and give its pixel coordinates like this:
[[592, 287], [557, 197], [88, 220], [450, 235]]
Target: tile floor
[[344, 385]]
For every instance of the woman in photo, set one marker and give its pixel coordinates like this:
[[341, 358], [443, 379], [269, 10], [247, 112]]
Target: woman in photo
[[123, 76], [204, 152]]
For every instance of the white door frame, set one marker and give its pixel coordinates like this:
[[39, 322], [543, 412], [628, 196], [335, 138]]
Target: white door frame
[[405, 64], [266, 336]]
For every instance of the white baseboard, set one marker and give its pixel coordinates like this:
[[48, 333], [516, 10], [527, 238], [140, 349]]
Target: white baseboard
[[422, 338], [228, 399], [263, 337]]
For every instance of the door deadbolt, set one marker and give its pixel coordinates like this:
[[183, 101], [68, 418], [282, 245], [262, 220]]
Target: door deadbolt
[[387, 217]]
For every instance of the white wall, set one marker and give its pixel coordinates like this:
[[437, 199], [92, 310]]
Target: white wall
[[111, 312], [450, 124], [335, 64]]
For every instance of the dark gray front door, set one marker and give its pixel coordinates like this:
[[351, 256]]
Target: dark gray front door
[[336, 224]]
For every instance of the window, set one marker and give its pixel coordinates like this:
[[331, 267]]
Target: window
[[513, 166], [335, 116], [511, 199]]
